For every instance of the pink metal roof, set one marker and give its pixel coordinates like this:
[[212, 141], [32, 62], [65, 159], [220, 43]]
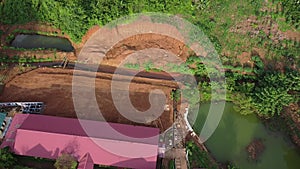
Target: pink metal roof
[[48, 137], [9, 139], [86, 162], [73, 126]]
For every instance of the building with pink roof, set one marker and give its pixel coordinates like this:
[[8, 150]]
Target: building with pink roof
[[96, 142]]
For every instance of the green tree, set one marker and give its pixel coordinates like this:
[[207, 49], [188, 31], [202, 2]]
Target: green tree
[[274, 90], [271, 100], [7, 159]]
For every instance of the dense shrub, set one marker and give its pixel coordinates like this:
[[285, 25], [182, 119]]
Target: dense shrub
[[7, 159], [75, 17], [273, 91]]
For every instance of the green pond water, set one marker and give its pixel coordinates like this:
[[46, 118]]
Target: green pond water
[[41, 41], [235, 132]]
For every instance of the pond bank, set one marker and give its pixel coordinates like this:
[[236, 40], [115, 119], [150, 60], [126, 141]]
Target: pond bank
[[43, 29]]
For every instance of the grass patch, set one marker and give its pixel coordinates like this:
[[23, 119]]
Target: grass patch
[[24, 31], [134, 66], [18, 59]]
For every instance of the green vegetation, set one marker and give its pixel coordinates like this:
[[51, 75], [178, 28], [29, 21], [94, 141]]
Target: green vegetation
[[275, 90], [172, 164], [169, 67], [175, 95], [2, 79], [18, 59], [215, 18], [181, 68], [7, 159], [291, 11], [77, 16], [265, 93], [134, 66], [9, 38], [243, 104], [239, 69], [148, 66], [24, 31], [198, 158], [65, 161]]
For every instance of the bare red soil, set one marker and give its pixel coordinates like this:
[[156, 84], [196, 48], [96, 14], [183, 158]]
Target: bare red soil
[[253, 26], [128, 46], [54, 88]]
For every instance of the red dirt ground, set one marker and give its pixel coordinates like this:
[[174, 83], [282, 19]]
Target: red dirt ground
[[146, 41], [253, 26], [245, 57], [54, 88]]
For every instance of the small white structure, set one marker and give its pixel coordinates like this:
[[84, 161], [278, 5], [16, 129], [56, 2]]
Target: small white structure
[[189, 127]]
